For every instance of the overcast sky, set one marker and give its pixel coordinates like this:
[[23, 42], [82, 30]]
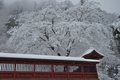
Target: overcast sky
[[110, 6]]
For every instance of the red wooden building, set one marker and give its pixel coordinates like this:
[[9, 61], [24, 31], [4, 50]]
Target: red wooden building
[[27, 66]]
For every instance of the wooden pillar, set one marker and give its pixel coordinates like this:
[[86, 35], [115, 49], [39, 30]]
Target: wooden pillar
[[82, 66], [96, 70], [34, 70], [68, 70], [52, 68], [14, 70]]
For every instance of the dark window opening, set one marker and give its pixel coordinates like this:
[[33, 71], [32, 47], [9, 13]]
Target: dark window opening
[[89, 69]]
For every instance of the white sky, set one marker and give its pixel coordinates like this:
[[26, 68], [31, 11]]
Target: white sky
[[110, 6]]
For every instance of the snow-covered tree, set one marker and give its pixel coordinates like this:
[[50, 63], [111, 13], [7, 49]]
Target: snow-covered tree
[[109, 18], [47, 3], [116, 33], [31, 33], [110, 66], [65, 5], [86, 12], [60, 36], [20, 6], [64, 38], [3, 35], [41, 5], [49, 14]]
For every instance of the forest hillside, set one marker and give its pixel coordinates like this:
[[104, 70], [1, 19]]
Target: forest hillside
[[61, 29]]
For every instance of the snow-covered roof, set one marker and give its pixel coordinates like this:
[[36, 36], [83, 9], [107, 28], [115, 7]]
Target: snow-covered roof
[[91, 50], [31, 56]]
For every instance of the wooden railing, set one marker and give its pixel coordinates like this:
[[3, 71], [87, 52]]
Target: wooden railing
[[47, 75]]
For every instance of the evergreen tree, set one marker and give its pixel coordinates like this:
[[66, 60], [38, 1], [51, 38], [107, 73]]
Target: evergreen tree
[[116, 33], [11, 22]]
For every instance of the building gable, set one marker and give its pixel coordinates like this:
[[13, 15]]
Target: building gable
[[92, 54]]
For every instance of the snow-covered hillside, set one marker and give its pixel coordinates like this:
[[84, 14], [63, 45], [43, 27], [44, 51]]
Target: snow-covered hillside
[[63, 29], [54, 31]]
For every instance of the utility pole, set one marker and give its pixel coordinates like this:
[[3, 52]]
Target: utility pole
[[82, 2]]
